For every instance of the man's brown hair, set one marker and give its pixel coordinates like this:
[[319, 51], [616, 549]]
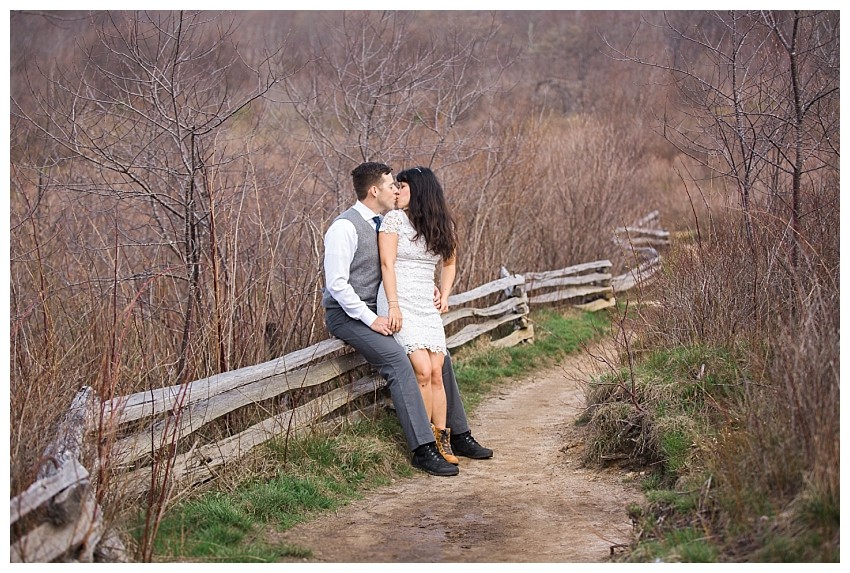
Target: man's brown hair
[[367, 174]]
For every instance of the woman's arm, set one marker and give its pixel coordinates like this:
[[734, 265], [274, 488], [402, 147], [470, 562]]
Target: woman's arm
[[447, 280], [388, 249]]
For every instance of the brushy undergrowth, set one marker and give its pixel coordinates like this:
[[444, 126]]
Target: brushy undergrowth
[[677, 422], [290, 482], [659, 414], [726, 399]]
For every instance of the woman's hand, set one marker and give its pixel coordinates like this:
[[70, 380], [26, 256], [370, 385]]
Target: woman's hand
[[395, 318], [443, 307]]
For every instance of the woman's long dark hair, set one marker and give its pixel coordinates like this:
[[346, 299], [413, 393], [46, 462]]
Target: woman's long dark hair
[[428, 212]]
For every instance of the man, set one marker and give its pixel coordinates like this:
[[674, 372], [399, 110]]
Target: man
[[352, 276]]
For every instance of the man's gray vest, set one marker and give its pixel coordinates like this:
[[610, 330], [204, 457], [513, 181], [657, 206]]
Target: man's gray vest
[[364, 274]]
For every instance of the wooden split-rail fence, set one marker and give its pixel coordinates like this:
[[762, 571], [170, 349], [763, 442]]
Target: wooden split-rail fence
[[162, 438]]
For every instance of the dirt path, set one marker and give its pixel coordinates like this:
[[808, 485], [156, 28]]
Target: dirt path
[[532, 502]]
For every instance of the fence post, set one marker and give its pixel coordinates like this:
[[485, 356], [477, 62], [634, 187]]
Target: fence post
[[523, 329], [75, 520], [67, 446]]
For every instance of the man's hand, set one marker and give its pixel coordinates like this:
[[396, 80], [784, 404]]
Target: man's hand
[[437, 298], [382, 326]]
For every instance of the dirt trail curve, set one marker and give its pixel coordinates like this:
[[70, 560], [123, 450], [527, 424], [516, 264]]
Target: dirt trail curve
[[532, 502]]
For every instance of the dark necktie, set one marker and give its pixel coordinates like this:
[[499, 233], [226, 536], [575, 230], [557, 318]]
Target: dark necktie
[[377, 220]]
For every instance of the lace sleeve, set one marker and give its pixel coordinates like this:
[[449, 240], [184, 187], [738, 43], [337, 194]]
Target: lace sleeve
[[391, 222]]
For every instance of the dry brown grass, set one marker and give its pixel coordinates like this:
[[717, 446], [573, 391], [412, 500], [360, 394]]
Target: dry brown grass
[[780, 442]]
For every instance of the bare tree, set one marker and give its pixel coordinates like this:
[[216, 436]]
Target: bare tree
[[377, 92], [140, 120], [759, 95], [145, 136], [807, 107]]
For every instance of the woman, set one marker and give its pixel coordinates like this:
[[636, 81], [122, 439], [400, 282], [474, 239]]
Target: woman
[[412, 239]]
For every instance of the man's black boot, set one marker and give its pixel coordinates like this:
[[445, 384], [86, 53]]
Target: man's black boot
[[465, 445], [428, 459]]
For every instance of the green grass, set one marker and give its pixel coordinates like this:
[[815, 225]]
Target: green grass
[[323, 472], [673, 405], [214, 528], [691, 376], [686, 403], [810, 537], [666, 420], [315, 474], [684, 545], [651, 481], [691, 546], [801, 547], [820, 511], [675, 446], [672, 500]]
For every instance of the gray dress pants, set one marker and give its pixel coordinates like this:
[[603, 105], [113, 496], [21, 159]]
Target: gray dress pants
[[389, 358]]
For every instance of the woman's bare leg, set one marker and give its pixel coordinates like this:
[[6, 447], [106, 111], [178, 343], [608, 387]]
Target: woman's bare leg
[[442, 434], [438, 392], [421, 363]]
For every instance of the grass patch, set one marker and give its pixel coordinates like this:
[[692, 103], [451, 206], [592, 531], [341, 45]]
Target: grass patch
[[798, 547], [691, 546], [809, 534], [683, 545], [677, 412], [665, 414], [315, 474], [212, 528], [664, 411], [290, 482], [670, 500]]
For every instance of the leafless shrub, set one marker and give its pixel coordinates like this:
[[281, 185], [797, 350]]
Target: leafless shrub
[[781, 439], [373, 93], [758, 102], [595, 181], [792, 416]]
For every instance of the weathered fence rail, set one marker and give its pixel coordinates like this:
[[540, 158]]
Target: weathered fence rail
[[62, 496], [641, 238], [169, 422]]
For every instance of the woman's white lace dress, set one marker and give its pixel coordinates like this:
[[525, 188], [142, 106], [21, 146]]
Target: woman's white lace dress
[[422, 326]]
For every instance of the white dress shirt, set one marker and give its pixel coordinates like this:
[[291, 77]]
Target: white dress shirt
[[340, 245]]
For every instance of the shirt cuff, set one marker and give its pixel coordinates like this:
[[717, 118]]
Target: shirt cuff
[[368, 317]]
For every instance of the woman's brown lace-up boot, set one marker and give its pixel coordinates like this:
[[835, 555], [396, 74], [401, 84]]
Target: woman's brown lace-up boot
[[444, 444]]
